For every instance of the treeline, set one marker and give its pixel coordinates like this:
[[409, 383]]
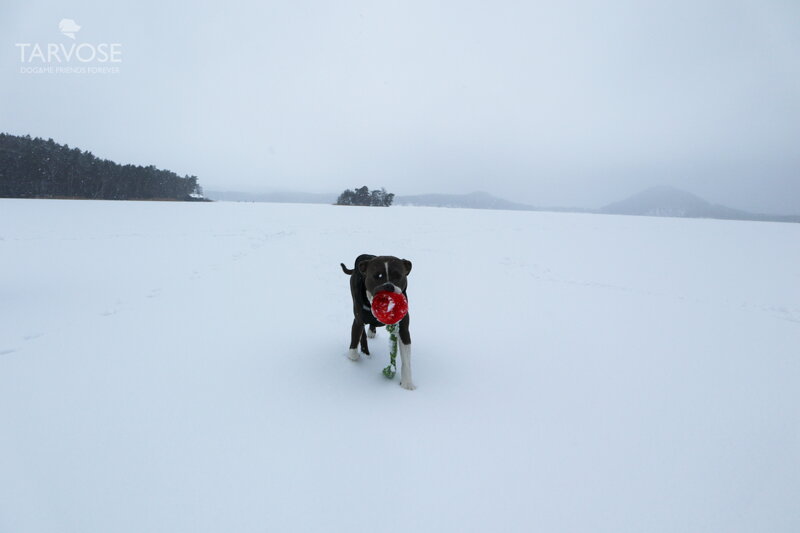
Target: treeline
[[363, 196], [38, 168]]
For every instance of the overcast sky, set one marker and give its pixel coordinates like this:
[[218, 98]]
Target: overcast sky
[[570, 104]]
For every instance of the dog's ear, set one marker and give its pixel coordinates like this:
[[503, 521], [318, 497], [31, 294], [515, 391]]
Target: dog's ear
[[407, 264], [362, 266]]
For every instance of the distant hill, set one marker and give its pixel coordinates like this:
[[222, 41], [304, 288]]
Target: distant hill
[[473, 200], [671, 202], [477, 200]]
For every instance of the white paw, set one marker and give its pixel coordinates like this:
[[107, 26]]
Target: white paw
[[353, 355], [408, 385], [371, 334]]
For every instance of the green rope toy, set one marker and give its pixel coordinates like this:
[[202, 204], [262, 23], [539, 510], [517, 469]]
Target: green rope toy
[[390, 371]]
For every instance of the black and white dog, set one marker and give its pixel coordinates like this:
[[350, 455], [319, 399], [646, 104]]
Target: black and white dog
[[371, 275]]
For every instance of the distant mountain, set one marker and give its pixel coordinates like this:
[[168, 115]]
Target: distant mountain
[[474, 200], [288, 197], [671, 202]]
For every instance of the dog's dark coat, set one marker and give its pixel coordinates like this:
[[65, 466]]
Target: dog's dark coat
[[361, 305], [366, 275]]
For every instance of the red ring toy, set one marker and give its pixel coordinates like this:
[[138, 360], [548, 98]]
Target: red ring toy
[[389, 307]]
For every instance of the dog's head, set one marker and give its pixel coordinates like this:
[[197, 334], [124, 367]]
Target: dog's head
[[384, 273]]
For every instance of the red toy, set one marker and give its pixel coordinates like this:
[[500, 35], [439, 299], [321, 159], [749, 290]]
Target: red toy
[[389, 307]]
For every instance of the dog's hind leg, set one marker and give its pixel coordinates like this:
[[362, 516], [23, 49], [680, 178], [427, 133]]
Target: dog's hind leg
[[356, 334]]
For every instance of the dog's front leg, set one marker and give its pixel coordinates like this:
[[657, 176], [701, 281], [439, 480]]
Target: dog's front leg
[[406, 380], [356, 332], [364, 346]]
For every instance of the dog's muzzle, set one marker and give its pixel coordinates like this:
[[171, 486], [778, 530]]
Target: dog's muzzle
[[387, 287]]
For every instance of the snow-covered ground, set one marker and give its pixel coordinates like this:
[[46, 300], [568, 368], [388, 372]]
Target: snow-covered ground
[[179, 367]]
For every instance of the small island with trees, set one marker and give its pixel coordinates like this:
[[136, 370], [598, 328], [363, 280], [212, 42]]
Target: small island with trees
[[363, 196]]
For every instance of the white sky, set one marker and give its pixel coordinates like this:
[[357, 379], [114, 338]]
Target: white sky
[[578, 103]]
